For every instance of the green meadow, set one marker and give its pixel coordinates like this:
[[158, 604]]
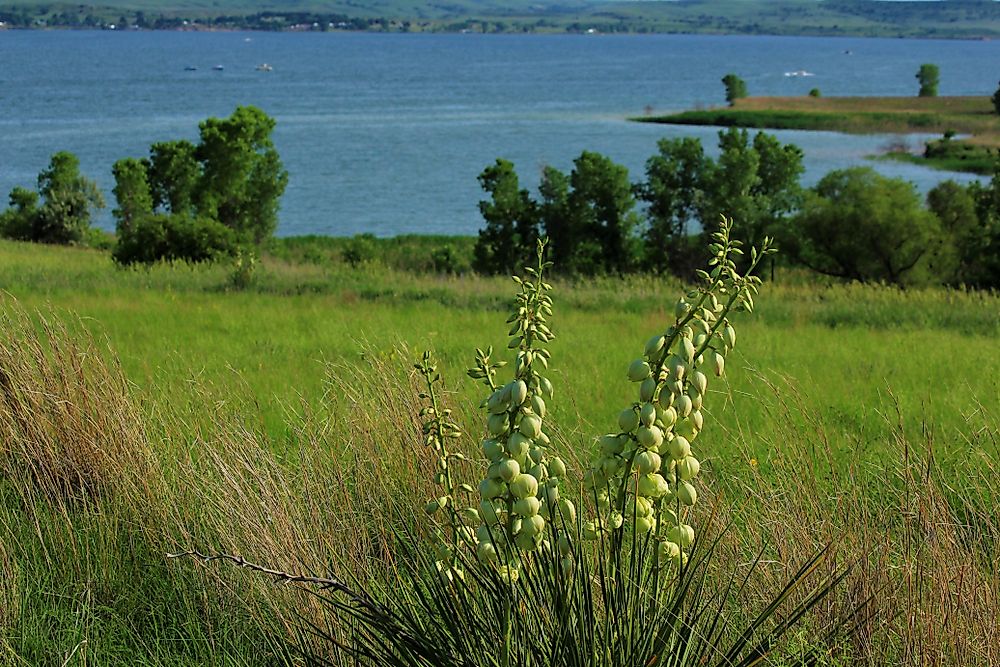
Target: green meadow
[[277, 422]]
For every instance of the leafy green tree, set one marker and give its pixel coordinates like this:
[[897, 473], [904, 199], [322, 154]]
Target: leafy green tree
[[554, 216], [131, 192], [858, 225], [17, 221], [985, 268], [173, 173], [67, 198], [929, 76], [506, 242], [755, 183], [673, 191], [996, 99], [601, 203], [958, 256], [735, 88], [233, 177], [242, 177]]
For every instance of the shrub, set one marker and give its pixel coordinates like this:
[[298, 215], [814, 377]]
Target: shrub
[[157, 237], [815, 92], [360, 249]]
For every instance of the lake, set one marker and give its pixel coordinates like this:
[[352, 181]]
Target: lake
[[386, 133]]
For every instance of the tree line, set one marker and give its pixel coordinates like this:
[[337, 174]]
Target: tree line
[[854, 224], [185, 201]]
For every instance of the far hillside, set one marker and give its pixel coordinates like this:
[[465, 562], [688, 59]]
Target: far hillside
[[965, 19]]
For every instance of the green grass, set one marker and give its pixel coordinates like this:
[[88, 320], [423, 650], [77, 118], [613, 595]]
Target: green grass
[[285, 411]]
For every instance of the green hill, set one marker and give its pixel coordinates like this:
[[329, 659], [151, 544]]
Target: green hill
[[970, 19]]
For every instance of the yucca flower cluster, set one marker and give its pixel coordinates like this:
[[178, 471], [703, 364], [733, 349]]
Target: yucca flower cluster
[[643, 475], [520, 491]]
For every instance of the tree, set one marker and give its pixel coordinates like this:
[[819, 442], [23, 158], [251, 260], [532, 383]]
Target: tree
[[754, 183], [554, 216], [958, 259], [241, 177], [67, 198], [996, 99], [928, 75], [173, 173], [131, 192], [858, 225], [508, 239], [232, 178], [601, 202], [673, 191], [735, 88]]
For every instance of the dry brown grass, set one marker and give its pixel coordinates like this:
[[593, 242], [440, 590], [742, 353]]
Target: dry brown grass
[[965, 105], [69, 426], [924, 553]]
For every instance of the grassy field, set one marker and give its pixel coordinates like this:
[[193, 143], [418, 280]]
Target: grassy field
[[868, 115], [167, 412]]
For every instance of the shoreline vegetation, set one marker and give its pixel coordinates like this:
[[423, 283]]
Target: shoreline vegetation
[[973, 116], [832, 18]]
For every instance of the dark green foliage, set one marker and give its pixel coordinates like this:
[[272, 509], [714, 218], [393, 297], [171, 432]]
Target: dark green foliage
[[359, 250], [735, 88], [858, 225], [984, 246], [673, 192], [996, 99], [241, 174], [67, 201], [233, 178], [929, 77], [173, 236], [132, 193], [959, 258], [511, 221], [815, 92], [173, 174], [600, 206]]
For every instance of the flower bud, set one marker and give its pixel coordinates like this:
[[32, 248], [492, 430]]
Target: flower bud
[[681, 309], [699, 381], [647, 414], [679, 448], [492, 450], [718, 363], [649, 437], [668, 552], [524, 486], [527, 507], [729, 336], [682, 534], [530, 426], [546, 386], [557, 468], [568, 511], [497, 425], [647, 462], [611, 444], [538, 405], [654, 345], [652, 486], [436, 504], [644, 524], [509, 470], [647, 389], [518, 393], [517, 445], [489, 512], [686, 493], [688, 468], [489, 489], [638, 371], [486, 552], [683, 405], [628, 420], [685, 350]]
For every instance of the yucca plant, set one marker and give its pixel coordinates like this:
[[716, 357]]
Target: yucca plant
[[513, 574]]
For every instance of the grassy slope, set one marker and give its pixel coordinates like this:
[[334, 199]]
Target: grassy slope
[[171, 324], [316, 348], [717, 16]]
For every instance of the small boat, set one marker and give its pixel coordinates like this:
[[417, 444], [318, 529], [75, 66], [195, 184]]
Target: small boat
[[190, 68], [799, 72], [264, 67], [218, 68]]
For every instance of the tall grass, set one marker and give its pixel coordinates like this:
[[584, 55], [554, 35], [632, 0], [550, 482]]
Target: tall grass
[[299, 458]]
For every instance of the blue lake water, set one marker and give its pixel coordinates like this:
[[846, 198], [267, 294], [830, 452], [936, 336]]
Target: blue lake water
[[386, 133]]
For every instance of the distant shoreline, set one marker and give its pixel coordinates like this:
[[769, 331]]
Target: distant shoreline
[[968, 115]]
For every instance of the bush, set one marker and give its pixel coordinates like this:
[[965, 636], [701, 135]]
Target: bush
[[815, 92], [67, 202], [361, 249], [859, 225], [157, 237]]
